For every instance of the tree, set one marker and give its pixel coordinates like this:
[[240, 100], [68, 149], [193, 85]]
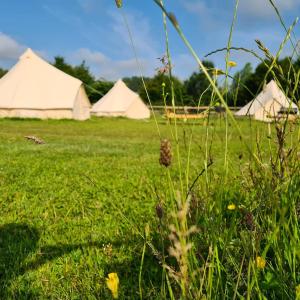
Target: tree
[[198, 87], [135, 83], [247, 84], [98, 89], [82, 72], [2, 72], [239, 92], [160, 84], [59, 63]]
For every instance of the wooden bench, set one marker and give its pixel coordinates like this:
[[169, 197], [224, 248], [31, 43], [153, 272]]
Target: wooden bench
[[170, 115]]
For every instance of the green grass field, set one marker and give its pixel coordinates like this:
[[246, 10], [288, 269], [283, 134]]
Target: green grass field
[[71, 209]]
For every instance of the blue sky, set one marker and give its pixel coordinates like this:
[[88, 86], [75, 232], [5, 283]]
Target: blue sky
[[95, 31]]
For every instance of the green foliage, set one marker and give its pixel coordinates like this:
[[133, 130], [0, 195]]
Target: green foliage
[[160, 84], [239, 89], [135, 83], [59, 63], [95, 88], [247, 84], [2, 72], [198, 87], [84, 226], [81, 71], [98, 89], [62, 206]]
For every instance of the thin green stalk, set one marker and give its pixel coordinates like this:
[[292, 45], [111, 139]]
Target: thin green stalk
[[141, 270], [173, 97], [226, 83], [203, 68], [140, 69]]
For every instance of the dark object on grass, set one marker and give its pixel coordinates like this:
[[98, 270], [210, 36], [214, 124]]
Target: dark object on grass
[[248, 220], [220, 109], [34, 139], [165, 153], [159, 211]]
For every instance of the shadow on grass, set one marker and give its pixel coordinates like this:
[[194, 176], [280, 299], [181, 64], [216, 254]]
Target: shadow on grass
[[19, 242]]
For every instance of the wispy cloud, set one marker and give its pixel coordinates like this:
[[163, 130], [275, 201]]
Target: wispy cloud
[[199, 7], [87, 5], [10, 49], [104, 67], [261, 9], [119, 59], [63, 16], [144, 41]]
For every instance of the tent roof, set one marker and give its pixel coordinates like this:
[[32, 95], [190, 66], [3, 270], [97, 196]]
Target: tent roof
[[33, 83], [271, 92], [118, 99]]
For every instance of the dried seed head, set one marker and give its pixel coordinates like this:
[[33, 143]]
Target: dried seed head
[[119, 3], [108, 249], [165, 153], [248, 220], [34, 139], [264, 49], [159, 211], [173, 19]]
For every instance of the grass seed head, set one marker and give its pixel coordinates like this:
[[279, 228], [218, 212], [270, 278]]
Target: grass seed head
[[173, 19], [165, 153], [159, 211], [264, 49], [248, 221], [119, 3]]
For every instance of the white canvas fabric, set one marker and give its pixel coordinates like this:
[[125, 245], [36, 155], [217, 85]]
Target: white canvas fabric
[[267, 105], [121, 101], [34, 88]]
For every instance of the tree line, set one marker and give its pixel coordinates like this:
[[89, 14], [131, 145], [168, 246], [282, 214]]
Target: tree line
[[195, 90]]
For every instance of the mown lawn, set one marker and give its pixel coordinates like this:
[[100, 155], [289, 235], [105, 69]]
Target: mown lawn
[[70, 209]]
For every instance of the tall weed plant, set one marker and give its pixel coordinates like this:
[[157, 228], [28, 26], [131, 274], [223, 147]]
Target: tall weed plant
[[221, 235]]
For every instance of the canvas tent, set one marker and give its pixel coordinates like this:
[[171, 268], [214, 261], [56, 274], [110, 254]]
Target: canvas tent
[[121, 101], [270, 104], [34, 88]]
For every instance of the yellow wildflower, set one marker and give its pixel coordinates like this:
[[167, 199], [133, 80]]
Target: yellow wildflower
[[298, 292], [112, 283], [260, 262], [231, 207], [232, 64]]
